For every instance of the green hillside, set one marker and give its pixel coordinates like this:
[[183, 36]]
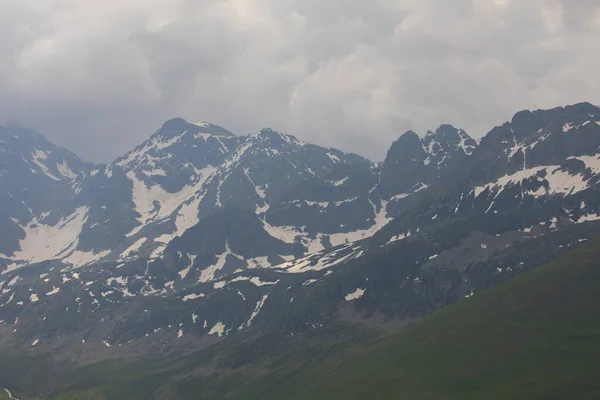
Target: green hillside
[[534, 337]]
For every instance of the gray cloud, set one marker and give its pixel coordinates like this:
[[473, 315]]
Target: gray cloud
[[99, 77]]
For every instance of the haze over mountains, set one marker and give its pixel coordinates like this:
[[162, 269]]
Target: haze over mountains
[[198, 233]]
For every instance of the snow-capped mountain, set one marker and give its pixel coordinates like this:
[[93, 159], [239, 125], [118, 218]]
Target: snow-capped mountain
[[306, 196], [198, 232], [185, 173], [181, 174], [545, 164], [422, 162], [36, 181]]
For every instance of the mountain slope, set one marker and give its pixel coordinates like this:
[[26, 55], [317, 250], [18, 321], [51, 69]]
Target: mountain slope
[[299, 221], [269, 238], [546, 162], [533, 337], [36, 180]]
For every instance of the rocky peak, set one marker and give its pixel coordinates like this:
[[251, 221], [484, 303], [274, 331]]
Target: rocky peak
[[15, 134], [446, 146], [176, 126], [538, 138], [529, 126], [408, 146], [42, 156], [413, 163], [36, 185], [177, 153], [447, 136], [268, 132], [403, 166], [186, 141], [272, 141]]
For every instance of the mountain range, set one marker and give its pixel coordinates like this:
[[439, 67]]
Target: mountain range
[[198, 235], [305, 197]]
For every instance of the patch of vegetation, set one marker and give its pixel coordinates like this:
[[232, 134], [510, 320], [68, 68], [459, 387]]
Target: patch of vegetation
[[23, 374], [534, 337]]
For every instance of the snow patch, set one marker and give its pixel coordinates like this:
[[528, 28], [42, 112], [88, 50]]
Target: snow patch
[[184, 272], [155, 203], [591, 162], [53, 291], [357, 294], [192, 296], [64, 169], [187, 216], [333, 157], [38, 157], [255, 280], [467, 149], [588, 218], [218, 329], [200, 124], [48, 242], [259, 305], [287, 234], [340, 182], [258, 262], [208, 274], [80, 258], [320, 261], [398, 237], [400, 196], [132, 249], [558, 181]]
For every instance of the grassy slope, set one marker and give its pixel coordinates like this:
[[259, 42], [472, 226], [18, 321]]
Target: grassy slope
[[534, 337]]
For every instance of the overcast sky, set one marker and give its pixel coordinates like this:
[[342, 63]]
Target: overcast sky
[[99, 76]]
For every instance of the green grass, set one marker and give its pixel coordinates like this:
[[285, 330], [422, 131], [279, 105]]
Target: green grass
[[22, 373], [534, 337]]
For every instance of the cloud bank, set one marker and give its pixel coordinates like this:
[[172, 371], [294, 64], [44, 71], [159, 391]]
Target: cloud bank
[[99, 77]]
